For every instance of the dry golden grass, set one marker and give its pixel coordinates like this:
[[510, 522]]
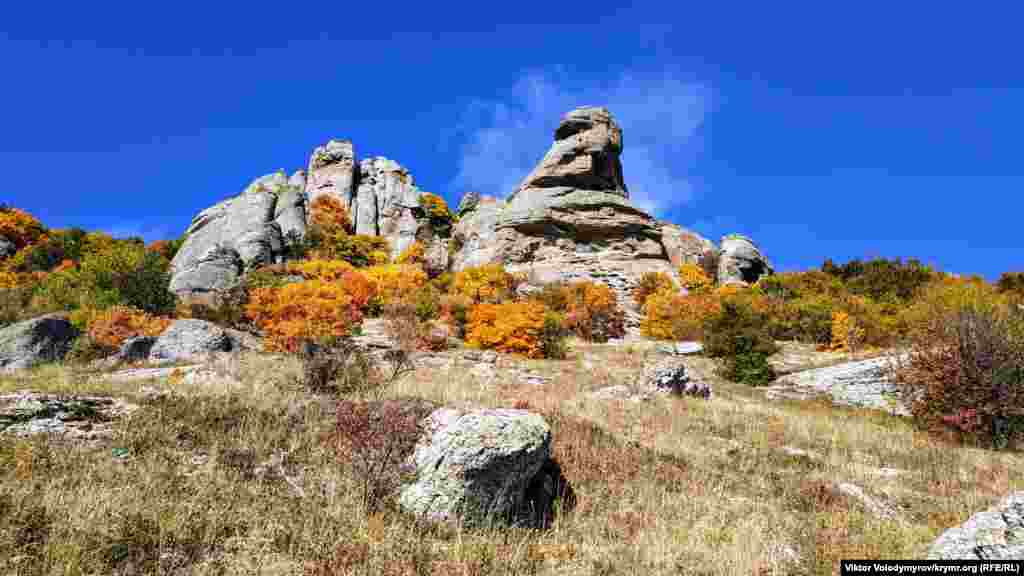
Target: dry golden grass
[[228, 475]]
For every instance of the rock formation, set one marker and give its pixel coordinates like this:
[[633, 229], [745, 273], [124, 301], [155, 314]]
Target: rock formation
[[387, 203], [741, 261], [332, 170], [237, 235], [7, 248], [571, 218]]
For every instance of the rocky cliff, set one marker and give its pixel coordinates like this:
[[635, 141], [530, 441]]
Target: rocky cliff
[[569, 219]]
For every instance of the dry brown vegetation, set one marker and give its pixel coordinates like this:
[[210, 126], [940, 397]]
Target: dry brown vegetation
[[230, 475]]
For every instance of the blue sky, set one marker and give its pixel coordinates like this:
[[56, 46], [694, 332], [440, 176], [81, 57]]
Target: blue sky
[[819, 129]]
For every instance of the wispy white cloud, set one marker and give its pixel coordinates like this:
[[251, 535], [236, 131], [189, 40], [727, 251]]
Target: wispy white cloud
[[661, 117]]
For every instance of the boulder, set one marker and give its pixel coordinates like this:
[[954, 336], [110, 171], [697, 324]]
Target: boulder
[[186, 339], [136, 349], [36, 341], [7, 248], [468, 203], [741, 261], [332, 170], [995, 534], [482, 466], [863, 383], [670, 375], [237, 235], [681, 348]]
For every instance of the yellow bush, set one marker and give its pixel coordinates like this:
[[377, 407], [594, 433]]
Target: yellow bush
[[317, 269], [330, 216], [412, 255], [592, 312], [669, 315], [489, 283], [312, 310], [846, 335], [694, 278], [394, 282], [512, 327], [652, 283], [20, 227], [111, 327]]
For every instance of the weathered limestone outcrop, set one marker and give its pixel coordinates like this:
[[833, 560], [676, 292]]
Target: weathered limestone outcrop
[[571, 218], [36, 341], [995, 534], [387, 203], [332, 170], [683, 246], [237, 235], [741, 261]]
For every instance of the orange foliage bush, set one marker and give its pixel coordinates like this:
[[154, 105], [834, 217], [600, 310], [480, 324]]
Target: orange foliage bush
[[652, 283], [412, 255], [111, 327], [394, 282], [318, 269], [313, 310], [330, 216], [512, 327], [489, 283], [592, 312], [694, 278], [846, 334], [669, 315], [20, 227]]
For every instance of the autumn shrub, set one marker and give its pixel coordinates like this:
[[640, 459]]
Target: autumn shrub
[[965, 365], [50, 250], [15, 304], [329, 217], [552, 336], [882, 279], [437, 211], [554, 296], [166, 248], [846, 334], [313, 310], [414, 254], [375, 438], [1012, 284], [316, 269], [111, 327], [708, 262], [19, 227], [394, 282], [512, 327], [455, 310], [489, 283], [694, 278], [652, 283], [592, 312], [670, 315]]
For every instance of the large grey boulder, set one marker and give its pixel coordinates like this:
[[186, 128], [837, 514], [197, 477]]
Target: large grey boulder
[[483, 466], [995, 534], [475, 233], [237, 235], [7, 248], [741, 261], [36, 341], [862, 383], [189, 338], [332, 170]]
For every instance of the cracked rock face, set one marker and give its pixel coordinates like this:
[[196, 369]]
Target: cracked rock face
[[387, 203], [741, 261], [238, 235], [332, 170], [995, 534]]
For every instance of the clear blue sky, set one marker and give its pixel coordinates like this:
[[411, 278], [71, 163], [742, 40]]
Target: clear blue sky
[[821, 129]]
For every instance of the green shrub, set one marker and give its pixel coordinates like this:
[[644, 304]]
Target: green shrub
[[881, 279], [751, 368], [737, 329], [553, 335], [145, 285]]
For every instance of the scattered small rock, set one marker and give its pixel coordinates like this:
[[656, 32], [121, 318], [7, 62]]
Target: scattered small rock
[[484, 356], [76, 417], [670, 374], [681, 348]]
